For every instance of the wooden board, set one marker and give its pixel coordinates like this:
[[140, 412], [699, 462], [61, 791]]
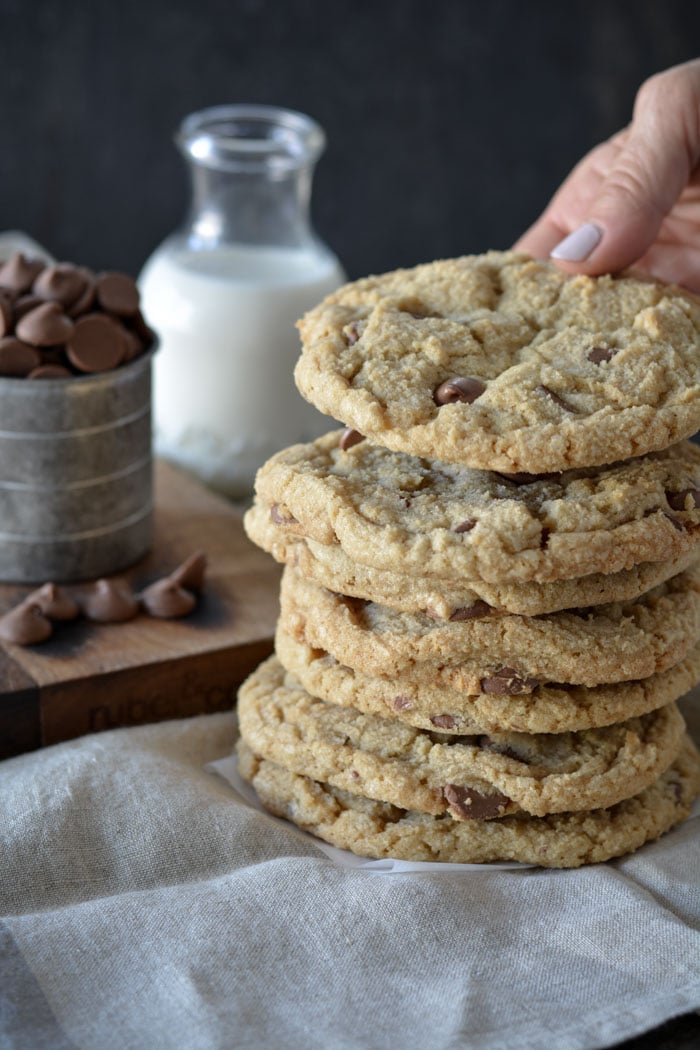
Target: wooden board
[[89, 677]]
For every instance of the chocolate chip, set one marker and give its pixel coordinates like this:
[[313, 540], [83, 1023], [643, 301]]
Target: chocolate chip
[[526, 479], [166, 600], [85, 301], [50, 372], [462, 389], [24, 304], [471, 612], [97, 344], [354, 775], [45, 325], [350, 437], [465, 526], [62, 283], [675, 522], [7, 314], [544, 538], [134, 345], [279, 519], [191, 573], [25, 625], [487, 744], [401, 703], [507, 682], [444, 721], [55, 602], [474, 805], [109, 601], [20, 272], [117, 293], [677, 500], [17, 359], [541, 389], [599, 354]]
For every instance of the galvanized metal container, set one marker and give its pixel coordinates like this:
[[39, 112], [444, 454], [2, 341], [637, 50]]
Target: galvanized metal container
[[76, 489]]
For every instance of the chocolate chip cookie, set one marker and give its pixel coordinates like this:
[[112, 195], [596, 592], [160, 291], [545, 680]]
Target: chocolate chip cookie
[[563, 840], [471, 777], [504, 363], [488, 653], [331, 567], [392, 511]]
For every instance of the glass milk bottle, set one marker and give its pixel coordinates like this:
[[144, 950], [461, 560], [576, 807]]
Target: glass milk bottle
[[223, 294]]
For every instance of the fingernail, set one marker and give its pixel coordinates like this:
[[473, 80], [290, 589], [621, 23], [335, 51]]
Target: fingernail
[[579, 244]]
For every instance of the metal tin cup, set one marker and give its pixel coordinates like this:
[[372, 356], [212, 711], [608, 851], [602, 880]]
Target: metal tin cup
[[76, 487]]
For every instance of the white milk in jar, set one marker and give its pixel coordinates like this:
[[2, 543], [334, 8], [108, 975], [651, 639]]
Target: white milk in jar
[[224, 295], [224, 394]]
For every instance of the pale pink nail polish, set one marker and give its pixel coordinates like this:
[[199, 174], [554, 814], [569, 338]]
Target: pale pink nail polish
[[579, 244]]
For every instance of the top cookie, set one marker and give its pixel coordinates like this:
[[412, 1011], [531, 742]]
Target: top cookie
[[504, 363]]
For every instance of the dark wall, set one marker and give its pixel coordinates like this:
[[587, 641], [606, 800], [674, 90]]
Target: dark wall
[[449, 123]]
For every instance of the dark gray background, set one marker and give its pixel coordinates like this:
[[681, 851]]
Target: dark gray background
[[449, 123]]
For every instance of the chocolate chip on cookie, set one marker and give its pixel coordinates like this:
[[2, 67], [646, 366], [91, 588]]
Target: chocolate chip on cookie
[[462, 389], [350, 437], [468, 804], [507, 682], [680, 500]]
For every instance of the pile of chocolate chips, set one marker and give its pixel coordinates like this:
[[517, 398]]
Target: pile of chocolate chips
[[64, 320], [104, 601]]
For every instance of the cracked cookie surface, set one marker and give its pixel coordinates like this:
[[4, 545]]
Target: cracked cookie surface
[[501, 362], [565, 840], [471, 777], [395, 512]]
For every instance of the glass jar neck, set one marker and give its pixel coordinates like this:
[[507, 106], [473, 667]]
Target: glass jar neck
[[251, 169]]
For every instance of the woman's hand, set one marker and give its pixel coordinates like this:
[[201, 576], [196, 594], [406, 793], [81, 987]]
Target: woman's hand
[[635, 199]]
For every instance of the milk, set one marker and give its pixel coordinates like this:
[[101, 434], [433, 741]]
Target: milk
[[224, 397]]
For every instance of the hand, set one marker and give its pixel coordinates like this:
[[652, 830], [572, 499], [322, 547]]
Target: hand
[[635, 199]]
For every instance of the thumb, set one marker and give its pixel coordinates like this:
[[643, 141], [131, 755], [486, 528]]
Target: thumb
[[649, 173]]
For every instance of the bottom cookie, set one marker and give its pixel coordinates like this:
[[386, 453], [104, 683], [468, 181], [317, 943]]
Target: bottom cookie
[[563, 840]]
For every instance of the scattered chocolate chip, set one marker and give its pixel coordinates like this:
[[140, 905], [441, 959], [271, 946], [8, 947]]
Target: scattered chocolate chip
[[443, 721], [62, 283], [351, 332], [109, 601], [279, 519], [465, 526], [599, 354], [191, 573], [350, 437], [17, 359], [507, 682], [45, 325], [55, 602], [20, 272], [354, 775], [50, 372], [25, 625], [401, 703], [117, 293], [474, 805], [677, 500], [166, 600], [97, 344], [471, 612], [675, 522], [553, 396], [462, 389]]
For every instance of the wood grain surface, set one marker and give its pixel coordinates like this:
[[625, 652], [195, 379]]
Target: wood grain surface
[[90, 677]]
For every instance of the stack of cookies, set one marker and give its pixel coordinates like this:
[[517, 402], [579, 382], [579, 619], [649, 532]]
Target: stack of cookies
[[491, 600]]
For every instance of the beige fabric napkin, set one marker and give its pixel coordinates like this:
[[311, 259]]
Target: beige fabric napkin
[[143, 906]]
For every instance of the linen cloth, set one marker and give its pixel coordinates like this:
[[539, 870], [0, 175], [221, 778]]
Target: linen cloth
[[144, 907]]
